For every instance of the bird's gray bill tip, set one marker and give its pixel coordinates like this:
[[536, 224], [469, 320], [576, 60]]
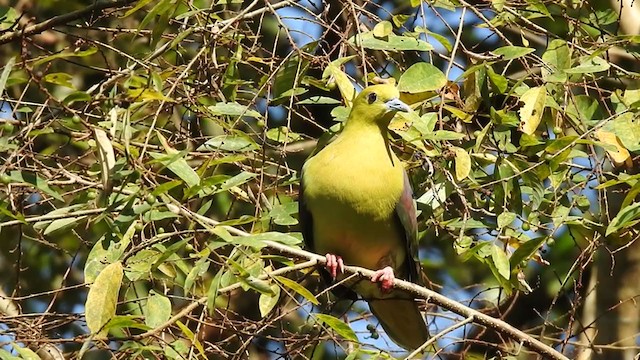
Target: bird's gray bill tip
[[397, 105]]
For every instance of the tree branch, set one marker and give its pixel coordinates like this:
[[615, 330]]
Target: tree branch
[[411, 288], [61, 20]]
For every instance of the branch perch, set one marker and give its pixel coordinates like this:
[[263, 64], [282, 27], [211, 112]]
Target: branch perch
[[411, 288], [61, 20]]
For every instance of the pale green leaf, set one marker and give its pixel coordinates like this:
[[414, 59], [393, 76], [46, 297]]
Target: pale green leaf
[[338, 326], [627, 217], [157, 310], [421, 77], [382, 29], [268, 302], [102, 298], [301, 290], [391, 43], [237, 142], [233, 109], [26, 353], [506, 219], [501, 261], [35, 180], [513, 52], [63, 224], [6, 71], [62, 79], [463, 163], [175, 162], [590, 65]]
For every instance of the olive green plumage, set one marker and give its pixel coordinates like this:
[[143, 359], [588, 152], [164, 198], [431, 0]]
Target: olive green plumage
[[356, 203]]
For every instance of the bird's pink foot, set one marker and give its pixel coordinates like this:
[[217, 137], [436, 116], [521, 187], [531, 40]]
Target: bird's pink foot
[[385, 277], [334, 265]]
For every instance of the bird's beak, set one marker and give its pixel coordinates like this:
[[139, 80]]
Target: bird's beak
[[397, 105]]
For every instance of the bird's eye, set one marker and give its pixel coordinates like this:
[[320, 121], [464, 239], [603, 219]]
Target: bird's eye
[[371, 98]]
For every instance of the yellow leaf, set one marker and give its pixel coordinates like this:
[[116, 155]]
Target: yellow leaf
[[107, 158], [341, 79], [103, 298], [531, 111], [463, 163], [382, 29], [621, 153]]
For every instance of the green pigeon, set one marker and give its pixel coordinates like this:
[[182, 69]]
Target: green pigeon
[[356, 206]]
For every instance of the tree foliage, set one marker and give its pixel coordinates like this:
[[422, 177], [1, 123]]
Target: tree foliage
[[150, 156]]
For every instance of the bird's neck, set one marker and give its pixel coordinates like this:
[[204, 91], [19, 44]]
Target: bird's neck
[[368, 137], [360, 127]]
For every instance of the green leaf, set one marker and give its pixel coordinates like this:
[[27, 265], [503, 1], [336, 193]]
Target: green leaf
[[301, 290], [498, 4], [103, 298], [236, 142], [6, 71], [282, 134], [421, 77], [442, 135], [192, 338], [35, 180], [557, 58], [281, 214], [589, 65], [139, 5], [237, 180], [175, 162], [233, 109], [25, 353], [506, 219], [5, 355], [513, 52], [501, 261], [319, 100], [62, 79], [157, 310], [126, 321], [200, 268], [382, 29], [392, 43], [584, 108], [499, 82], [627, 129], [441, 39], [76, 96], [338, 326], [267, 302], [285, 239], [526, 250], [533, 108], [65, 55], [560, 143], [63, 224], [626, 218]]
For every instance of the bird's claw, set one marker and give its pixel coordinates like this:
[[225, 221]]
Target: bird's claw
[[385, 277], [334, 265]]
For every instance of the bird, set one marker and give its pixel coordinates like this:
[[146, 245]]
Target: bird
[[356, 206]]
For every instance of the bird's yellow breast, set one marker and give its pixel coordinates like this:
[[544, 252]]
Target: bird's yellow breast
[[351, 190]]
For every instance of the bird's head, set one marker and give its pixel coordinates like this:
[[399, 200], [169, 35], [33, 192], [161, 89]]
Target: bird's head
[[377, 104]]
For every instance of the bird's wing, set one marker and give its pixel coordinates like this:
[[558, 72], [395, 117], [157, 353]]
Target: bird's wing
[[407, 223], [306, 226], [304, 216]]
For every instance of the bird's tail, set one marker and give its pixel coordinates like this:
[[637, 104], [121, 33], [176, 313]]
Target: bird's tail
[[401, 320]]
